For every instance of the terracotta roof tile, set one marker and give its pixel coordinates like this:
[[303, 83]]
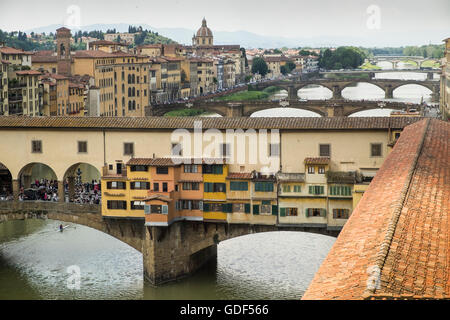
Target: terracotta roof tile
[[400, 228], [239, 175], [356, 123], [317, 160]]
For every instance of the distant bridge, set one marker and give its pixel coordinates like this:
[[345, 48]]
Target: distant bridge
[[325, 108], [430, 72], [396, 59]]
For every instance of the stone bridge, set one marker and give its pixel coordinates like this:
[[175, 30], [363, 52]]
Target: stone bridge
[[396, 59], [325, 108], [169, 253], [336, 86]]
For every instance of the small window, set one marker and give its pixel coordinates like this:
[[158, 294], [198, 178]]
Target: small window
[[36, 146], [274, 149], [155, 186], [162, 170], [190, 168], [128, 148], [341, 213], [375, 149], [311, 169], [324, 150], [164, 186], [321, 170], [82, 146]]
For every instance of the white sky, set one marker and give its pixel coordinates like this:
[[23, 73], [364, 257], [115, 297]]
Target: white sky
[[289, 18]]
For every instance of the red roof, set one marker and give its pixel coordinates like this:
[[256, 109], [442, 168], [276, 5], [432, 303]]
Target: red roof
[[239, 175], [28, 72], [398, 234], [9, 50], [317, 160]]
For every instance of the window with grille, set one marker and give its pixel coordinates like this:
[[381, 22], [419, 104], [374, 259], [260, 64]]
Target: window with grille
[[311, 169], [128, 148], [324, 150], [162, 170], [190, 168], [375, 149], [36, 146], [321, 170], [341, 213], [82, 146]]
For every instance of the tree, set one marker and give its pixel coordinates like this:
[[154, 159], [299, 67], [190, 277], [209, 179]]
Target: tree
[[284, 70], [259, 66], [290, 66]]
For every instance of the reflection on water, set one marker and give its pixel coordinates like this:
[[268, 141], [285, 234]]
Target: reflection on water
[[34, 257]]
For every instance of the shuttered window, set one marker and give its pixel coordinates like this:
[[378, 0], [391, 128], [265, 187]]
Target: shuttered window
[[316, 189], [264, 186], [256, 209], [315, 212], [238, 185], [341, 213]]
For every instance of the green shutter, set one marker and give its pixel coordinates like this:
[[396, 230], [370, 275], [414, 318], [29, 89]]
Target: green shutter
[[321, 190], [206, 207], [256, 209], [265, 202], [311, 190], [307, 212], [282, 212], [274, 210], [247, 208], [228, 207], [323, 212]]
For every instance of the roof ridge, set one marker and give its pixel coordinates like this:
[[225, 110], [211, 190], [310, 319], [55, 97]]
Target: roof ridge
[[398, 206]]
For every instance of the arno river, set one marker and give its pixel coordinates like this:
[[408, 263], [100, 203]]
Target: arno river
[[34, 256]]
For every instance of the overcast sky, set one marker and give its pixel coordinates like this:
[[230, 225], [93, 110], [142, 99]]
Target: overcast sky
[[289, 18]]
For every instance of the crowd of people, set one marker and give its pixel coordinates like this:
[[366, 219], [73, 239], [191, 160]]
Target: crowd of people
[[47, 190], [86, 192]]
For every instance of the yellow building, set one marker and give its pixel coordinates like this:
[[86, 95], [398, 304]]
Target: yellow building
[[23, 93], [264, 199], [214, 192], [124, 189], [15, 56], [238, 197]]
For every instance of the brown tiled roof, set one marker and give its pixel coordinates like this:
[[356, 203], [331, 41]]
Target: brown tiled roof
[[100, 54], [42, 58], [28, 72], [10, 50], [158, 197], [400, 226], [132, 123], [239, 175], [170, 162], [106, 42], [317, 160]]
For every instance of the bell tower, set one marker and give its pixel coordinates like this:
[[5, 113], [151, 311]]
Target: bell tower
[[63, 37]]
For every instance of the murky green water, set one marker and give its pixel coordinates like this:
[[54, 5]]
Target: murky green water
[[34, 258]]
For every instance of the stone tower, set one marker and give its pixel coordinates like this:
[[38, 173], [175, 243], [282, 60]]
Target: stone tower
[[63, 37]]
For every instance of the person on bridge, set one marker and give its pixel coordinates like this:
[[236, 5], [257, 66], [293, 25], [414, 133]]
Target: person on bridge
[[61, 228]]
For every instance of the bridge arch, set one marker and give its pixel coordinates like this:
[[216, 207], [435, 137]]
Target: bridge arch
[[413, 83], [312, 85], [76, 176], [6, 188], [311, 111], [351, 84], [35, 171]]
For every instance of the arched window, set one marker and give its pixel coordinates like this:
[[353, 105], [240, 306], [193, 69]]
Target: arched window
[[129, 92], [129, 79], [134, 92]]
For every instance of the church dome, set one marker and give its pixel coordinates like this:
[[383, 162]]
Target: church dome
[[204, 31]]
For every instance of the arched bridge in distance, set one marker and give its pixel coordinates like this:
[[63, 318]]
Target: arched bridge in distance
[[336, 106]]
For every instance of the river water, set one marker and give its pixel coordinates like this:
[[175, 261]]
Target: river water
[[34, 256]]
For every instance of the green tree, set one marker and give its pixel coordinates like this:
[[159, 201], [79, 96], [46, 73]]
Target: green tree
[[259, 66]]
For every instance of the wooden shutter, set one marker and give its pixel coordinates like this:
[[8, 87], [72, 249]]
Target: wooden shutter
[[256, 209], [247, 208], [274, 210], [282, 212], [311, 190], [334, 213], [307, 212]]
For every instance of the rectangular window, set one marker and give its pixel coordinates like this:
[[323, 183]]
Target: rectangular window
[[310, 169], [159, 209], [116, 205], [139, 168], [238, 185], [375, 149], [341, 213], [162, 170], [321, 169], [290, 212], [137, 205], [128, 148], [340, 190], [324, 150], [118, 185], [82, 146], [155, 186], [297, 188], [274, 149], [140, 185], [238, 207], [315, 212], [263, 186], [286, 188], [191, 186], [225, 150], [316, 189], [36, 146], [213, 169], [190, 168], [164, 186]]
